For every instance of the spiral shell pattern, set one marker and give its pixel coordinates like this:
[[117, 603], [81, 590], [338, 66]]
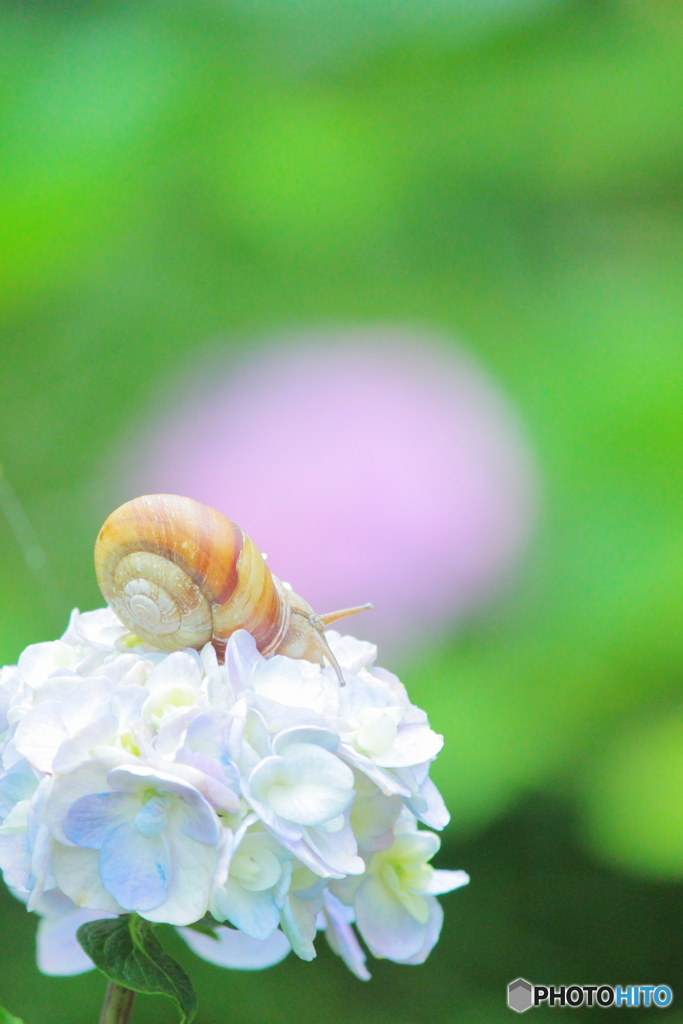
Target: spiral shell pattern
[[180, 574]]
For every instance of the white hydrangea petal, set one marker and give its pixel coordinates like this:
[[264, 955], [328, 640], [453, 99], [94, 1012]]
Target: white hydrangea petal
[[352, 654], [241, 660], [416, 847], [77, 873], [414, 744], [208, 659], [309, 785], [39, 735], [137, 778], [341, 936], [360, 695], [446, 881], [59, 952], [271, 771], [279, 716], [179, 669], [337, 850], [76, 749], [373, 816], [15, 861], [55, 687], [298, 919], [38, 661], [9, 684], [308, 802], [431, 933], [383, 778], [236, 950], [305, 851], [137, 675], [126, 699], [433, 811], [286, 832], [384, 923], [345, 889], [282, 679], [41, 855], [83, 701], [324, 738], [377, 731], [99, 629], [256, 862], [172, 725], [115, 667]]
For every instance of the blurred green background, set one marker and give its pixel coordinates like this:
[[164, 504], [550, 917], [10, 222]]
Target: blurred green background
[[508, 173]]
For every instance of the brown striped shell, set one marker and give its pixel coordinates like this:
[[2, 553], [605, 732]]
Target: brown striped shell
[[180, 574]]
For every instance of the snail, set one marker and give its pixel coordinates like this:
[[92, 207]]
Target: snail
[[180, 574]]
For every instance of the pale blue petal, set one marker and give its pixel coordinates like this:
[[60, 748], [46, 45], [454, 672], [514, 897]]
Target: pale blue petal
[[136, 871], [218, 734], [91, 818], [151, 818], [194, 869], [198, 820], [234, 949], [17, 784], [254, 913]]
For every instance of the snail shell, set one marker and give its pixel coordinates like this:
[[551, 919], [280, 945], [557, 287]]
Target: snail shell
[[180, 574]]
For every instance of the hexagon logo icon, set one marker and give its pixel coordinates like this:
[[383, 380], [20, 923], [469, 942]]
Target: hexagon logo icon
[[520, 995]]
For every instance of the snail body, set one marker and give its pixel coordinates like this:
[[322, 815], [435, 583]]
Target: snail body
[[180, 574]]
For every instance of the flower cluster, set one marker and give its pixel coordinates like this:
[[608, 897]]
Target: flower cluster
[[259, 792]]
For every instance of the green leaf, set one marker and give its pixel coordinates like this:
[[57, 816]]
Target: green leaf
[[126, 950], [8, 1018]]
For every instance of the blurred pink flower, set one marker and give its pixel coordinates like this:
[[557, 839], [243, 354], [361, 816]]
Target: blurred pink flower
[[369, 464]]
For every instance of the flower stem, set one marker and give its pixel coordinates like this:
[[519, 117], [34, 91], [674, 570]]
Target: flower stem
[[118, 1004]]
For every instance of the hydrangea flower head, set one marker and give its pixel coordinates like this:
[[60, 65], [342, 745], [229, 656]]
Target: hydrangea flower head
[[257, 791]]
